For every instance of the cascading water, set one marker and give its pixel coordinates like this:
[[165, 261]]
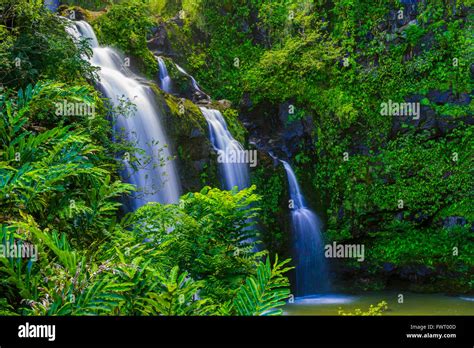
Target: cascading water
[[156, 178], [165, 79], [231, 154], [311, 269], [232, 158], [193, 80]]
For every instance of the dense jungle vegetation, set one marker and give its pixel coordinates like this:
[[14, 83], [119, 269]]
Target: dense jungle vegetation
[[398, 185]]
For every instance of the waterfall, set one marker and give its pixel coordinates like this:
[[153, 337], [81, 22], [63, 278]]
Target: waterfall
[[311, 269], [193, 80], [231, 154], [165, 79], [156, 178], [232, 158], [197, 89]]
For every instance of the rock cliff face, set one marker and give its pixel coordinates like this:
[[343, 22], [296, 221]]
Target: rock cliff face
[[432, 120]]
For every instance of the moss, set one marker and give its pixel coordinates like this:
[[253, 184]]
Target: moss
[[188, 130], [234, 125], [185, 109]]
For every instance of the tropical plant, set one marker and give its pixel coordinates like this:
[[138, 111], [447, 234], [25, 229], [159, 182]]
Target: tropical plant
[[266, 292], [33, 45], [376, 310]]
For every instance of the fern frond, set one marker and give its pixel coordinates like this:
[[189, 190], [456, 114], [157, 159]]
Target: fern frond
[[266, 292]]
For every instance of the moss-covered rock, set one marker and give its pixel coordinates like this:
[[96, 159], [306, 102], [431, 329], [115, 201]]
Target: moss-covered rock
[[188, 133], [234, 125]]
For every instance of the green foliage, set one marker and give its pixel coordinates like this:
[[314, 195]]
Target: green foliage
[[376, 310], [53, 175], [212, 236], [337, 62], [261, 295], [34, 44], [419, 170], [94, 5], [219, 63], [175, 296], [273, 221], [312, 55], [125, 26], [136, 269], [236, 128], [182, 84], [431, 248], [129, 275]]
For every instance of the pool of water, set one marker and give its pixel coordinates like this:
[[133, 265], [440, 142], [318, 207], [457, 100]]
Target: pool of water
[[413, 304]]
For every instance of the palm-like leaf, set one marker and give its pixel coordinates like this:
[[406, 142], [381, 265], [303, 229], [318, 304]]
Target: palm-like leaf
[[264, 293]]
